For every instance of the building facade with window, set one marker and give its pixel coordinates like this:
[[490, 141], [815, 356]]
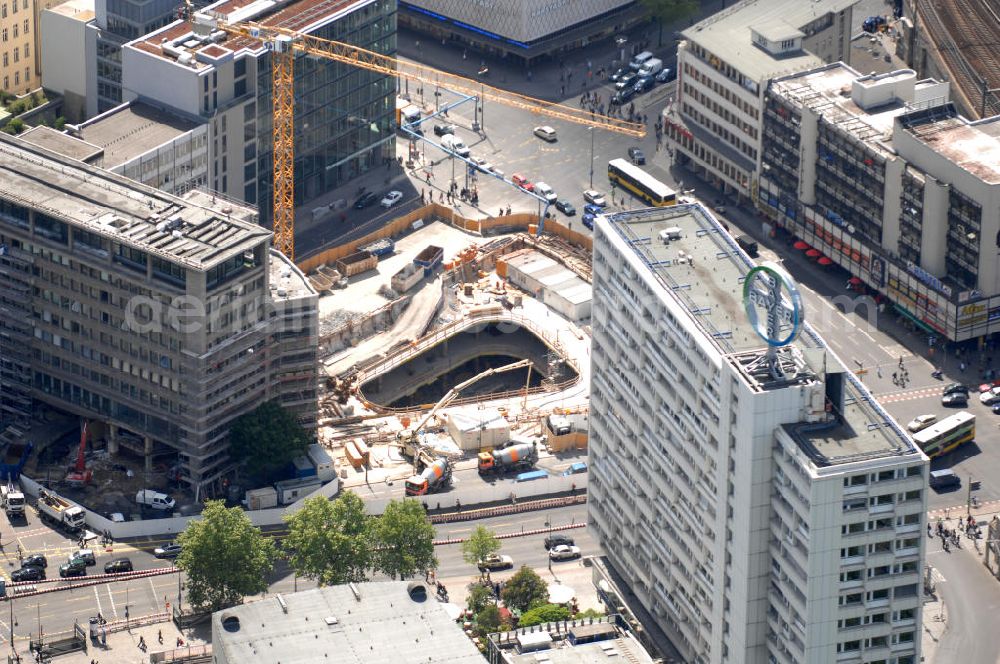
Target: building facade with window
[[343, 115], [18, 68], [882, 175], [159, 319], [724, 64], [762, 506]]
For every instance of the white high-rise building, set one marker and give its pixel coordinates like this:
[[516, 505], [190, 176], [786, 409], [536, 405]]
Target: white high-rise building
[[761, 505]]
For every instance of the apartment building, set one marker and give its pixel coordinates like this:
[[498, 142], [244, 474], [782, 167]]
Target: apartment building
[[724, 65], [882, 175], [343, 114], [160, 319], [17, 47], [760, 504]]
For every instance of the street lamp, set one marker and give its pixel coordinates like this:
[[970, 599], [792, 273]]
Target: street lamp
[[591, 129]]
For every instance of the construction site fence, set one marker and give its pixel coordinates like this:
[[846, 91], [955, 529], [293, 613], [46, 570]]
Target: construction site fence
[[515, 507], [437, 212], [522, 533]]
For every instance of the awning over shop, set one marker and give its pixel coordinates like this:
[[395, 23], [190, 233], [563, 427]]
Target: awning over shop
[[921, 324]]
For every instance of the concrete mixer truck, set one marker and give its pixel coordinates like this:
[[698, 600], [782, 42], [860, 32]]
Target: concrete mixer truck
[[435, 477], [515, 457]]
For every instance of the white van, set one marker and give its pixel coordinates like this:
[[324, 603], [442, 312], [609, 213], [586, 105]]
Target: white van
[[639, 60], [651, 67], [154, 499], [455, 144], [545, 191]]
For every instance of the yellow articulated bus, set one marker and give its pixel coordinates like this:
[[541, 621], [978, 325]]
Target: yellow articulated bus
[[947, 434], [642, 184]]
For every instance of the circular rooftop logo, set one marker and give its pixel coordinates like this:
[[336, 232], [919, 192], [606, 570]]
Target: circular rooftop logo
[[773, 304]]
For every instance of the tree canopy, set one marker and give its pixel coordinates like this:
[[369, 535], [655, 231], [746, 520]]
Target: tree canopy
[[266, 440], [225, 557], [488, 620], [403, 540], [669, 11], [525, 590], [329, 540], [545, 613], [479, 544]]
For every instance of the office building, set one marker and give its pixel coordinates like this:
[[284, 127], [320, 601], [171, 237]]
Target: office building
[[66, 48], [159, 319], [356, 623], [141, 142], [343, 114], [882, 175], [724, 65], [584, 641], [19, 45], [519, 29], [760, 504]]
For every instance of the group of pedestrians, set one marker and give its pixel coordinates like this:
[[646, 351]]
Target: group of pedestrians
[[953, 536]]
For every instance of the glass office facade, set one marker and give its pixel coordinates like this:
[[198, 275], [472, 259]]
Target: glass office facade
[[343, 114]]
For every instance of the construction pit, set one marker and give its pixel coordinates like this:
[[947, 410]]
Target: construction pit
[[464, 362]]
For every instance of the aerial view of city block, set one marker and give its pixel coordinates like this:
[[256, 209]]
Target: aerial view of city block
[[497, 331]]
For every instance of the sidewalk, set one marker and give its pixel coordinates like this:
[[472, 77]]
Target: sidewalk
[[123, 647]]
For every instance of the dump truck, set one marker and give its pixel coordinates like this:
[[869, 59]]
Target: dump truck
[[406, 112], [60, 512], [435, 477], [515, 457], [13, 500], [356, 263], [429, 258]]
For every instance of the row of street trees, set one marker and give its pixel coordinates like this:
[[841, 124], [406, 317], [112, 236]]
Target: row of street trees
[[227, 558]]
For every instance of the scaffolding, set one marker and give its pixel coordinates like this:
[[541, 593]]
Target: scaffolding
[[15, 339]]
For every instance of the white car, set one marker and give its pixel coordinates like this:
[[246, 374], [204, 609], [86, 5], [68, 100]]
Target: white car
[[595, 197], [991, 397], [483, 165], [495, 562], [921, 422], [564, 552], [546, 192], [392, 198]]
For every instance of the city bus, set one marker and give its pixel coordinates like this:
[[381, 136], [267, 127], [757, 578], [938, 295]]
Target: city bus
[[640, 183], [947, 434]]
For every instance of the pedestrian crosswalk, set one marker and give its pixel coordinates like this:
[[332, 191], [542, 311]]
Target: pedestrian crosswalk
[[908, 395]]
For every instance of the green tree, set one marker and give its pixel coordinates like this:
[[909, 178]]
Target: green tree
[[479, 597], [669, 11], [15, 126], [545, 613], [403, 540], [266, 440], [525, 590], [60, 123], [225, 557], [329, 540], [488, 620], [481, 543]]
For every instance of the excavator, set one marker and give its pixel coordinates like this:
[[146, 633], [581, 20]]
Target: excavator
[[80, 474]]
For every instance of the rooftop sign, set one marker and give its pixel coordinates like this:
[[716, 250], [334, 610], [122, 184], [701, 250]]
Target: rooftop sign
[[773, 304]]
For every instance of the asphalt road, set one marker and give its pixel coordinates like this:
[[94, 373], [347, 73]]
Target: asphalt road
[[56, 612]]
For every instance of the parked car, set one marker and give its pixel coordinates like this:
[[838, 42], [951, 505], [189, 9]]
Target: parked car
[[365, 200], [482, 164], [665, 76], [986, 387], [29, 573], [955, 400], [545, 133], [546, 192], [565, 207], [119, 566], [636, 156], [496, 561], [595, 197], [588, 221], [75, 568], [442, 129], [86, 555], [987, 398], [623, 96], [921, 422], [35, 560], [996, 409], [558, 539], [944, 479], [620, 73], [643, 84], [626, 82], [590, 208], [955, 387], [171, 550], [522, 182], [564, 552], [392, 198]]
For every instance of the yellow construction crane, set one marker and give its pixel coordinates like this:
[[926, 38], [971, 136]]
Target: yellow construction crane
[[285, 43]]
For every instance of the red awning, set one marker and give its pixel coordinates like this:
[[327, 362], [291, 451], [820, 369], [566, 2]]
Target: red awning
[[800, 245], [813, 253], [825, 261]]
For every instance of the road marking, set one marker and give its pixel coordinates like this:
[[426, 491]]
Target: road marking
[[894, 397], [97, 596], [114, 609], [152, 589]]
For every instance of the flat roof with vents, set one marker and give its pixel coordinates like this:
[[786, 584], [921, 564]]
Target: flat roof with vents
[[198, 230]]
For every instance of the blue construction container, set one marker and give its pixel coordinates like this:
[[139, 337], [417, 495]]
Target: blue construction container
[[532, 475]]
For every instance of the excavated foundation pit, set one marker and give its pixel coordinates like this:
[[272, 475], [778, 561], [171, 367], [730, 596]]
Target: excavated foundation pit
[[427, 377]]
